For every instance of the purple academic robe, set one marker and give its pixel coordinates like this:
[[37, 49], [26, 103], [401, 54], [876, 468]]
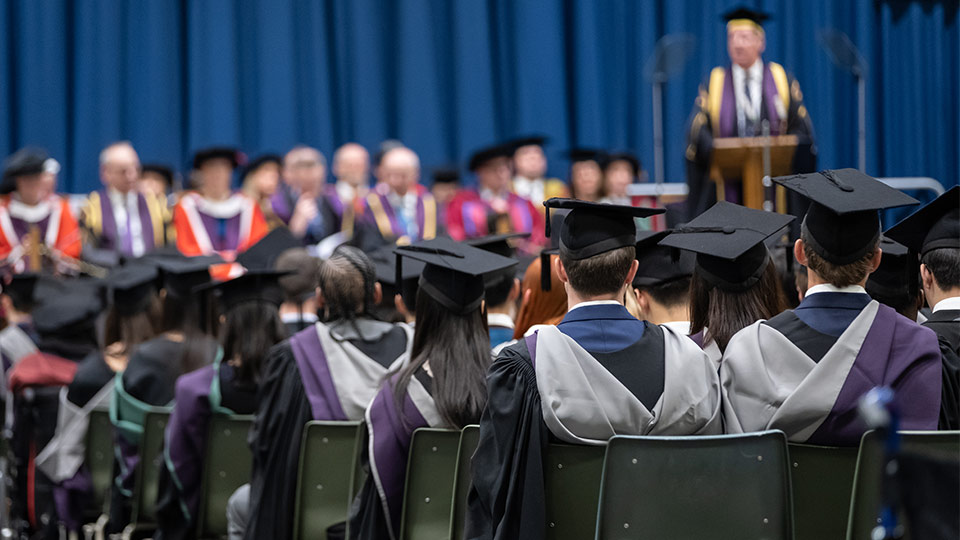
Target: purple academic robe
[[380, 215], [109, 232]]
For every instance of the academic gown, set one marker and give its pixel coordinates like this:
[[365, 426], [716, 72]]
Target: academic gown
[[469, 215], [597, 374], [100, 222], [326, 372], [376, 512], [198, 395], [384, 224], [52, 220], [805, 370], [946, 323]]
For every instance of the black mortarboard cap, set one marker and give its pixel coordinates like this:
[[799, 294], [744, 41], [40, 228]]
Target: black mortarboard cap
[[27, 161], [264, 253], [729, 242], [180, 275], [133, 287], [593, 228], [161, 170], [71, 310], [255, 286], [260, 161], [218, 152], [623, 156], [842, 222], [935, 226], [21, 288], [497, 243], [530, 140], [446, 175], [578, 155], [385, 263], [660, 264], [743, 12], [489, 153], [899, 271], [453, 275]]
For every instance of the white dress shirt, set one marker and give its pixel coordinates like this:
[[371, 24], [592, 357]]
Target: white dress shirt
[[125, 205], [947, 303], [748, 109], [826, 287]]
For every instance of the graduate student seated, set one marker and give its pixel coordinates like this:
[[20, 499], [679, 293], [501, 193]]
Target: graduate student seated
[[250, 326], [502, 288], [934, 233], [896, 282], [735, 282], [662, 282], [18, 337], [599, 373], [805, 370], [443, 385], [330, 371]]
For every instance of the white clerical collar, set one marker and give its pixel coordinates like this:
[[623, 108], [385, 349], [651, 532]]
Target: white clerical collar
[[30, 214], [225, 209], [826, 287], [294, 317], [755, 69], [947, 303], [595, 303], [499, 320]]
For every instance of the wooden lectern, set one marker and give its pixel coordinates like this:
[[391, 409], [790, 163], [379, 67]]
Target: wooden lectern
[[742, 158]]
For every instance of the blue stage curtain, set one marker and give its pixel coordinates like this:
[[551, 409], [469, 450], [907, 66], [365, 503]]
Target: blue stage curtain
[[448, 76]]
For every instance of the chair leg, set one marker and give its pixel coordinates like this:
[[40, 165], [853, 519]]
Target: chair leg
[[100, 527], [128, 532]]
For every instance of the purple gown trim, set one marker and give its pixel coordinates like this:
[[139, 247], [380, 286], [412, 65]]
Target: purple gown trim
[[531, 341], [109, 230], [315, 374], [22, 228], [231, 231], [185, 437], [69, 497]]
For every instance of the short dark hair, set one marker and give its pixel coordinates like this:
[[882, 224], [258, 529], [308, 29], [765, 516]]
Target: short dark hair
[[304, 270], [601, 274], [670, 294], [838, 275], [944, 264], [498, 292]]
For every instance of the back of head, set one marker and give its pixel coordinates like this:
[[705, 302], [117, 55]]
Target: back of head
[[346, 282], [944, 264], [304, 270], [601, 274], [250, 330], [670, 294], [541, 307]]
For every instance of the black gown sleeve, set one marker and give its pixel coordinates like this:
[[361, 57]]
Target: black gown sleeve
[[367, 518], [275, 437], [950, 389], [697, 155], [506, 499]]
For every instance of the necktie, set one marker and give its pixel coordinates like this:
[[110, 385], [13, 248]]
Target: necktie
[[749, 118]]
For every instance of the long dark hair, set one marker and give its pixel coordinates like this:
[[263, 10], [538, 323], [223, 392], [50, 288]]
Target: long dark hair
[[458, 350], [721, 314], [132, 329], [246, 336], [182, 314]]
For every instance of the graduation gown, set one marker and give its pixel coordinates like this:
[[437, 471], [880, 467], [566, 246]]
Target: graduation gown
[[715, 115], [197, 396], [381, 218], [582, 382], [470, 216], [376, 512], [946, 323], [226, 228], [100, 223], [805, 370], [326, 372], [51, 218]]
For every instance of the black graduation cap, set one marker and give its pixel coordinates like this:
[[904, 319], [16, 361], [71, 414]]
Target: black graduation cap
[[264, 253], [453, 275], [899, 271], [744, 13], [260, 161], [180, 275], [21, 289], [161, 170], [529, 140], [593, 228], [497, 243], [842, 221], [254, 286], [133, 287], [729, 242], [446, 175], [69, 310], [623, 156], [660, 264], [489, 153], [578, 155], [222, 152], [385, 263], [935, 226], [27, 161]]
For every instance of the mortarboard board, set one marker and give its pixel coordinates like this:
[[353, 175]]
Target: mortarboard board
[[69, 309], [260, 161], [133, 287], [842, 222], [898, 273], [623, 156], [446, 175], [530, 140], [264, 253], [160, 170], [660, 264], [578, 155], [453, 275], [484, 155], [729, 242], [27, 161], [21, 289], [254, 286], [497, 243], [935, 226], [179, 275], [744, 17], [218, 152]]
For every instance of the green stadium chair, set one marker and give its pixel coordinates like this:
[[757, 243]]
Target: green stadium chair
[[469, 438], [717, 487], [143, 516], [822, 481], [226, 467], [572, 477], [327, 476], [865, 506], [428, 493], [98, 457]]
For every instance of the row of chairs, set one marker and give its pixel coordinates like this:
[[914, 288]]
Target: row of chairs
[[734, 486]]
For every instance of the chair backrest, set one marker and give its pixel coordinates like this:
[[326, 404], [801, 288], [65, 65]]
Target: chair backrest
[[144, 505], [822, 481], [724, 486], [865, 506], [572, 476], [429, 487], [98, 456], [469, 438], [226, 466], [326, 479]]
